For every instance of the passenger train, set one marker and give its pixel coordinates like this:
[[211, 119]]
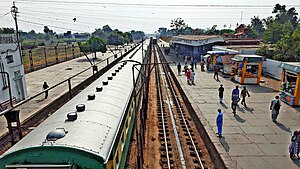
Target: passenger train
[[92, 130]]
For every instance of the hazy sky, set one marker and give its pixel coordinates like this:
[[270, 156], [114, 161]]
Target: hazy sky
[[134, 14]]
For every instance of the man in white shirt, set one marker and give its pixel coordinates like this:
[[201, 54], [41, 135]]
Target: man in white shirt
[[275, 107]]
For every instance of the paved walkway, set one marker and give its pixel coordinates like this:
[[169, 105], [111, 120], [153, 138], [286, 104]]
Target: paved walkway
[[53, 75], [250, 139]]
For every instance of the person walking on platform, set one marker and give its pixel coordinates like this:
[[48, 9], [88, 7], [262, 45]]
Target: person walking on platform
[[45, 87], [219, 122], [179, 68], [244, 93], [216, 73], [221, 93], [188, 76], [234, 101], [293, 148], [192, 77], [275, 107], [235, 91], [195, 63], [185, 59]]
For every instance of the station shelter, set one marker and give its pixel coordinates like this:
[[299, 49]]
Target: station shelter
[[194, 45], [248, 68], [213, 59], [290, 83]]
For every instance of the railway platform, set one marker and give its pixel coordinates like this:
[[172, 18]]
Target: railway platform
[[54, 75], [250, 139]]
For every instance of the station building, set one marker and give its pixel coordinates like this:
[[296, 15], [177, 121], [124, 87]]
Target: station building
[[194, 45], [12, 75]]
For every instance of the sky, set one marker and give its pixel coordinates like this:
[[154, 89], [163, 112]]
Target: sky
[[129, 15]]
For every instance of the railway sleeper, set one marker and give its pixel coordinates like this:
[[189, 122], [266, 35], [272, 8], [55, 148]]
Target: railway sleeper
[[190, 143], [189, 139], [163, 148], [193, 153], [161, 130], [187, 134], [163, 139], [162, 134], [162, 143], [192, 148], [163, 154]]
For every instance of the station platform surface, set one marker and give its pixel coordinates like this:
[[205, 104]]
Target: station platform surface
[[250, 139], [54, 75]]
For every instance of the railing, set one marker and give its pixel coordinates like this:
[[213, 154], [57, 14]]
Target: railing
[[67, 81]]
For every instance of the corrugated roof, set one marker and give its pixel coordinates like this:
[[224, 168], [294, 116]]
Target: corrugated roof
[[196, 37]]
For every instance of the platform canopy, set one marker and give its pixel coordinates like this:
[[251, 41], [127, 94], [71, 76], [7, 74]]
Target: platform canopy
[[248, 58], [291, 66]]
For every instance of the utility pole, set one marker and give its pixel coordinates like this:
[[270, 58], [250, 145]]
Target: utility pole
[[241, 17], [14, 13]]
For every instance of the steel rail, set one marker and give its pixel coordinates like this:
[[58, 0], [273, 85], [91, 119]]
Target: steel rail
[[161, 106], [167, 69]]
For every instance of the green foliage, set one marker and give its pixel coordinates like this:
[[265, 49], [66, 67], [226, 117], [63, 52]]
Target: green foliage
[[137, 35], [283, 15], [263, 51], [212, 30], [288, 48], [178, 25], [127, 37], [256, 29], [275, 31], [93, 44], [7, 31], [228, 31], [115, 39]]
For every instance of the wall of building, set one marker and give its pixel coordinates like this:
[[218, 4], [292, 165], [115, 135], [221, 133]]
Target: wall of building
[[271, 68], [10, 62]]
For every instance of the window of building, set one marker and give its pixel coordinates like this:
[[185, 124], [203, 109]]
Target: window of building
[[9, 58]]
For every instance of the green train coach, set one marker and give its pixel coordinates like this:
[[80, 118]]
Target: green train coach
[[91, 131]]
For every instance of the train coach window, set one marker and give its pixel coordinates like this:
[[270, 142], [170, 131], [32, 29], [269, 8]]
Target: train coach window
[[122, 139]]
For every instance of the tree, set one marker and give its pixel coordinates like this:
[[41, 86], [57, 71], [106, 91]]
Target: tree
[[288, 48], [283, 15], [162, 31], [212, 31], [46, 30], [187, 31], [115, 39], [137, 35], [106, 29], [256, 27], [7, 31], [127, 37], [263, 51], [93, 44], [275, 31], [226, 31], [178, 25]]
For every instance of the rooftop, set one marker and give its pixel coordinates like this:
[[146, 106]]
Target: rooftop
[[196, 37]]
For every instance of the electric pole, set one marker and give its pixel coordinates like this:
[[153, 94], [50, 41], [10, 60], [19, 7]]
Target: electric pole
[[14, 13]]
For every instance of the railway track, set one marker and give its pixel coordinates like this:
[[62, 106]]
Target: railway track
[[177, 134]]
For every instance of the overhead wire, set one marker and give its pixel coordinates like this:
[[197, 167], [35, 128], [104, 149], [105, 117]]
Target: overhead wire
[[4, 14], [151, 5]]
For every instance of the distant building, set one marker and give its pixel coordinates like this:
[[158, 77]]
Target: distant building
[[194, 45], [10, 62]]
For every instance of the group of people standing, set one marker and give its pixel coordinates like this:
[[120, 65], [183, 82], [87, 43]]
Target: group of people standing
[[190, 73]]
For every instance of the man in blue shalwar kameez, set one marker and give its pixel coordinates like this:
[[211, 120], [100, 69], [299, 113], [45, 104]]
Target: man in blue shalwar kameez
[[219, 122]]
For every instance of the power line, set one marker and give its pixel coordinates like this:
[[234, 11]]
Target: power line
[[151, 5], [58, 27], [4, 14]]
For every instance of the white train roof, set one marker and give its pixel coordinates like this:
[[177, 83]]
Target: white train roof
[[95, 129]]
